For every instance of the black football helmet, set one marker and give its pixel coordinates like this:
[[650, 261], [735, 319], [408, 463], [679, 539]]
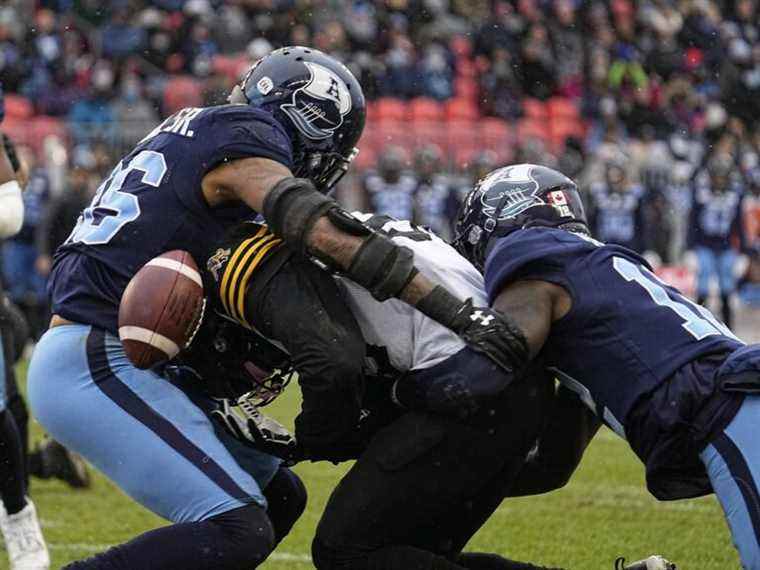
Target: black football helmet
[[318, 101], [514, 197], [234, 363]]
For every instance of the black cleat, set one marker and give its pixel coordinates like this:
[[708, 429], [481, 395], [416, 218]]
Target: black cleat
[[50, 460], [654, 562]]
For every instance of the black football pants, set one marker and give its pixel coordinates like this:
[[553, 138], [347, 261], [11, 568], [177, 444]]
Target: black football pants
[[426, 483]]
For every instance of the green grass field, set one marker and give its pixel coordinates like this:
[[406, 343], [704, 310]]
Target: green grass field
[[603, 513]]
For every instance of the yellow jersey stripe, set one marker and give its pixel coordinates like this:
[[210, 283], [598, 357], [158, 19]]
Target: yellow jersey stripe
[[243, 286], [235, 281], [230, 269]]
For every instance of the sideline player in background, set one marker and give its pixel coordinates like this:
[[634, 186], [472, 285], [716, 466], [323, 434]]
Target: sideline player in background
[[716, 229], [658, 369], [18, 518], [193, 177]]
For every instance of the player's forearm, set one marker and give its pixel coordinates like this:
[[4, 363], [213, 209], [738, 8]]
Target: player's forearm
[[342, 248]]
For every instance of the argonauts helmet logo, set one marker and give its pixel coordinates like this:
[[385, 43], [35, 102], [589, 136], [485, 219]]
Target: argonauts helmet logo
[[318, 108], [508, 192]]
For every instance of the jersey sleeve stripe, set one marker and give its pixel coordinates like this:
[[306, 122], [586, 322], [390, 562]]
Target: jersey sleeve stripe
[[230, 269], [243, 285], [239, 270]]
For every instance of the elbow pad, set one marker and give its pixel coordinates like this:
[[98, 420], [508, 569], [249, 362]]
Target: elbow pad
[[11, 209], [292, 207], [382, 267]]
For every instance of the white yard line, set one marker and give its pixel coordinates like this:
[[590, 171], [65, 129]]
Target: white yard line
[[89, 547]]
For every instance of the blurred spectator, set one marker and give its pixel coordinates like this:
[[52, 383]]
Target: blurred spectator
[[617, 209], [434, 198], [660, 83], [390, 189], [717, 229], [537, 68], [92, 118], [120, 37], [61, 213], [24, 285], [135, 115]]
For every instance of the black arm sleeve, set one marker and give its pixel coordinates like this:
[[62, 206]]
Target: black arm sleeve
[[302, 308]]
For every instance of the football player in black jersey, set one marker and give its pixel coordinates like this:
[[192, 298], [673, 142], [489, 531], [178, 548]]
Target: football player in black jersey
[[423, 483]]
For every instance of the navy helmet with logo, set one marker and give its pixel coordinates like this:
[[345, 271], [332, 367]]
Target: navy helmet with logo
[[515, 197], [318, 101]]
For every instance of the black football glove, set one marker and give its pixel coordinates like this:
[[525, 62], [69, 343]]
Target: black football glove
[[247, 424], [483, 329], [493, 334]]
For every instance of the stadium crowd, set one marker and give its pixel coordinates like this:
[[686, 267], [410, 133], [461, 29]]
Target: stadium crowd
[[652, 105]]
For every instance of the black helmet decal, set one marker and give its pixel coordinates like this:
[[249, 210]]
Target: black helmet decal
[[317, 109]]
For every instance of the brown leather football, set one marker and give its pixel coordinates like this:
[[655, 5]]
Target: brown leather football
[[161, 309]]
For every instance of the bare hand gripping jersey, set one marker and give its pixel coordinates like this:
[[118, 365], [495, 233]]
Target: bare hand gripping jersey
[[152, 202]]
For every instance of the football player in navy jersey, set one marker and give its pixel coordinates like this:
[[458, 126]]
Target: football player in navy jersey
[[19, 525], [658, 369], [716, 222], [285, 139]]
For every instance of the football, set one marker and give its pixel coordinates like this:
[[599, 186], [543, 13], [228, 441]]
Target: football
[[161, 309]]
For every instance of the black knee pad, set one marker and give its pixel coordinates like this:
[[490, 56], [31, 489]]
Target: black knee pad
[[248, 535], [286, 496]]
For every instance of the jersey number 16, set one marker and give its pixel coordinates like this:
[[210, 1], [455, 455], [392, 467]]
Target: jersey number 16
[[112, 208]]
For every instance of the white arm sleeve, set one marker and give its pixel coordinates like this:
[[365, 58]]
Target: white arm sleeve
[[11, 209]]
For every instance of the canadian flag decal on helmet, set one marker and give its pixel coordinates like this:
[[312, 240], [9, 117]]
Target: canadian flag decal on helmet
[[318, 108]]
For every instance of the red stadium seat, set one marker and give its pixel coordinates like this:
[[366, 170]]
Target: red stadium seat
[[232, 66], [534, 109], [17, 129], [18, 107], [392, 133], [366, 157], [463, 140], [562, 128], [389, 109], [495, 132], [562, 107], [461, 110], [430, 132], [532, 129], [371, 110], [425, 109], [466, 88], [181, 92], [43, 126]]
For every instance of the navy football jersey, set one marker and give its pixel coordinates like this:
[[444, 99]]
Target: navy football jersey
[[716, 216], [626, 333], [152, 202], [618, 216]]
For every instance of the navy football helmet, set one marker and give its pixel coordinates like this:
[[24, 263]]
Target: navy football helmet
[[514, 197], [318, 101]]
